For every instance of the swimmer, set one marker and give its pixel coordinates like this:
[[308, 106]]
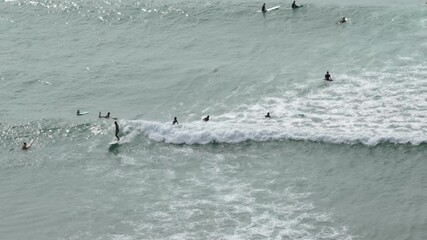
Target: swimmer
[[206, 118], [117, 130], [175, 121], [268, 115]]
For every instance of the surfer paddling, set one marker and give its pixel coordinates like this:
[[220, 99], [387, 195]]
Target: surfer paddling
[[268, 115], [328, 76], [117, 130], [206, 118], [25, 146]]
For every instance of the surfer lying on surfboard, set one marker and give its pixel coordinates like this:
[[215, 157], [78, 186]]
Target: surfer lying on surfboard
[[328, 76]]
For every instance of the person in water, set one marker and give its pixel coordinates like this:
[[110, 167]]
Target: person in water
[[294, 5], [175, 121], [106, 116], [117, 130], [263, 9], [206, 118], [328, 76], [268, 115], [343, 20], [25, 146], [78, 112]]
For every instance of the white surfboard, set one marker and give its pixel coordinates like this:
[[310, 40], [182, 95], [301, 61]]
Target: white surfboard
[[82, 113], [271, 9]]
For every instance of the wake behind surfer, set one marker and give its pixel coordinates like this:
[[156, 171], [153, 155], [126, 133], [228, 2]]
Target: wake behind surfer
[[263, 9], [117, 130], [294, 5], [328, 76]]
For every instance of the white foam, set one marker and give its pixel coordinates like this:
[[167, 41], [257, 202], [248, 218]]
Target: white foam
[[370, 109]]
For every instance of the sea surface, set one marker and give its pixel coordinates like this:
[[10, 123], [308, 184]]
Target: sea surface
[[345, 159]]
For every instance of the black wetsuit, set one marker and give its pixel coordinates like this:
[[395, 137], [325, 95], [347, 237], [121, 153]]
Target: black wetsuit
[[263, 8], [294, 5], [328, 77], [175, 121], [117, 131]]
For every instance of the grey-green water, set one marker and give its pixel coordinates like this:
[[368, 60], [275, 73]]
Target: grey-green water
[[345, 160]]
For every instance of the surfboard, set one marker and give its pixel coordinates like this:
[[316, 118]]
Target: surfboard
[[273, 8], [82, 113], [270, 9], [330, 80]]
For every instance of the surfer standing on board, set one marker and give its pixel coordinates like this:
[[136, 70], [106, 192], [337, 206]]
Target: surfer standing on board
[[117, 130], [263, 8], [328, 76]]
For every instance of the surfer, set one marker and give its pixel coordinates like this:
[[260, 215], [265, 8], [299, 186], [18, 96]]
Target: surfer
[[328, 76], [343, 20], [263, 8], [117, 130], [175, 121], [78, 113], [25, 146], [268, 115], [106, 116], [294, 5], [206, 118]]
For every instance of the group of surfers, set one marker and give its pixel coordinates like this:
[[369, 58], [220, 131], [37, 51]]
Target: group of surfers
[[26, 146], [295, 6]]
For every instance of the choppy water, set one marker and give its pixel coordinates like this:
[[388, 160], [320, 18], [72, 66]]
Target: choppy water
[[345, 160]]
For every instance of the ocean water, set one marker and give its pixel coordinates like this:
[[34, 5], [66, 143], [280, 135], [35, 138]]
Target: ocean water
[[339, 160]]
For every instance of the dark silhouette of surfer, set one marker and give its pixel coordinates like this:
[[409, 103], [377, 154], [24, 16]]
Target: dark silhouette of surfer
[[25, 146], [263, 8], [343, 20], [294, 5], [206, 118], [117, 130], [268, 115], [175, 121], [328, 76]]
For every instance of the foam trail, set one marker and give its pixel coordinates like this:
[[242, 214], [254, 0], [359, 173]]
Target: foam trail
[[373, 108]]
